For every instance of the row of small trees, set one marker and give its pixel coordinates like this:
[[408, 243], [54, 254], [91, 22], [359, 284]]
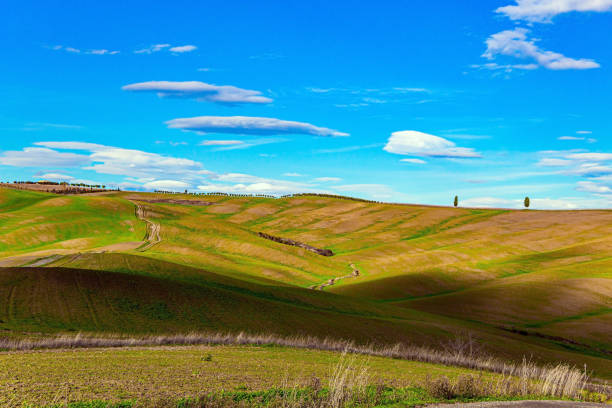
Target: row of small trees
[[526, 202]]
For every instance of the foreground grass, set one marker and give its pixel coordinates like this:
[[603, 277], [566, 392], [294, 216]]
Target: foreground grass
[[158, 373], [244, 376]]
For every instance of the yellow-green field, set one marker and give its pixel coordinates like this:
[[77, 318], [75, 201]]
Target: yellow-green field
[[175, 372], [536, 283]]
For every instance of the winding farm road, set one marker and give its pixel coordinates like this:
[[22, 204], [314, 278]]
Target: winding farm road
[[333, 281], [153, 236], [521, 404]]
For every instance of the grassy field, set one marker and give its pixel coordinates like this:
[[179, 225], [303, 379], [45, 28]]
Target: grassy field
[[161, 372], [523, 282], [162, 376], [35, 222]]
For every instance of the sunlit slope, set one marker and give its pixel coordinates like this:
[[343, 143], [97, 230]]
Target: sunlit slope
[[32, 221], [547, 271], [438, 270], [212, 237]]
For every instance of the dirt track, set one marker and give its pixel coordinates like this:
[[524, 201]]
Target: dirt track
[[333, 281], [521, 404], [153, 236]]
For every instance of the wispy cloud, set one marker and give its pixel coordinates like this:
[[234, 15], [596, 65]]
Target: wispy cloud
[[596, 167], [103, 52], [413, 161], [183, 48], [327, 179], [221, 142], [72, 50], [357, 98], [113, 160], [248, 125], [592, 187], [515, 43], [153, 48], [37, 156], [248, 143], [349, 148], [536, 203], [201, 91]]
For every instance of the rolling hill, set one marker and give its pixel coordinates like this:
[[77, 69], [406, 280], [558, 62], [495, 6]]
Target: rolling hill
[[524, 282]]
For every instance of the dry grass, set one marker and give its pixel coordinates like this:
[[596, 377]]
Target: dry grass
[[517, 379], [524, 380]]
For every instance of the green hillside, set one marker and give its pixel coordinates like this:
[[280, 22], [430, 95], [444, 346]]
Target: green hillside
[[524, 282]]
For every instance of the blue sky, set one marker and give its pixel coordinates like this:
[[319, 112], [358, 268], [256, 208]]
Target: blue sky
[[401, 101]]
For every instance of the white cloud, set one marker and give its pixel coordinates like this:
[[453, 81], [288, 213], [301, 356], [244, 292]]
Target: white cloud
[[584, 132], [591, 187], [293, 175], [152, 49], [72, 145], [171, 185], [221, 142], [252, 143], [128, 162], [183, 48], [542, 11], [535, 203], [37, 156], [413, 143], [55, 177], [515, 43], [249, 184], [249, 126], [590, 170], [102, 52], [414, 161], [590, 156], [201, 91], [493, 66], [553, 162], [587, 139], [327, 179], [321, 90], [570, 138], [349, 148]]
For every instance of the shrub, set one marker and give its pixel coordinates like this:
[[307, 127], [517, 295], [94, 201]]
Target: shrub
[[440, 388]]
